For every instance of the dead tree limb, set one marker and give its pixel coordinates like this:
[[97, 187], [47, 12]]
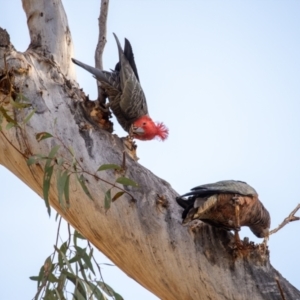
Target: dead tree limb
[[290, 218], [101, 44]]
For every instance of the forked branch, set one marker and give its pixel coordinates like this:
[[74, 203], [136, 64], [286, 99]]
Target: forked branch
[[290, 218]]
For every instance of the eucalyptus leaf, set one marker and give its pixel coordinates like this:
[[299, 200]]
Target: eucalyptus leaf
[[31, 160], [107, 199], [86, 259], [96, 291], [8, 118], [66, 261], [109, 167], [82, 180], [51, 155], [61, 182], [117, 196], [29, 116], [34, 278], [46, 187], [10, 125], [126, 181], [106, 288], [19, 105], [21, 97], [42, 136], [79, 235], [51, 278], [67, 190]]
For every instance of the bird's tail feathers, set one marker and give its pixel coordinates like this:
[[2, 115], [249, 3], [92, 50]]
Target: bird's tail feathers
[[130, 57], [120, 50], [96, 72], [189, 194], [183, 203]]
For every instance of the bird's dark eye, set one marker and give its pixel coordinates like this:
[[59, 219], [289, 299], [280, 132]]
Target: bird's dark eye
[[144, 123]]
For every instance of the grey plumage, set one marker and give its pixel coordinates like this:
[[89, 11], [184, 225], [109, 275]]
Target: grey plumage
[[126, 97], [215, 204], [224, 186]]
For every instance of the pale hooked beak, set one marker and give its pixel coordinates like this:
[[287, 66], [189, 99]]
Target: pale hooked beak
[[137, 130]]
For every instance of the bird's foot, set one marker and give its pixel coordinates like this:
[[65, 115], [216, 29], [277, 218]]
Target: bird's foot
[[130, 143], [130, 147], [104, 107]]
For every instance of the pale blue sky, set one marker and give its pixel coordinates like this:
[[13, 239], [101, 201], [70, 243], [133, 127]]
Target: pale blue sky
[[223, 76]]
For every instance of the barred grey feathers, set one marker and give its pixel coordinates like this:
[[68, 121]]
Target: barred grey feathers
[[126, 97], [215, 204]]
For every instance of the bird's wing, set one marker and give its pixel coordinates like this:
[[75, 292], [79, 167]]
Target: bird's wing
[[130, 57], [133, 101], [225, 186], [100, 75]]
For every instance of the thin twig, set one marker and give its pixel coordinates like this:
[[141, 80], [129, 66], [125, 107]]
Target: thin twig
[[99, 269], [280, 288], [69, 231], [101, 44], [290, 218], [113, 185], [91, 174]]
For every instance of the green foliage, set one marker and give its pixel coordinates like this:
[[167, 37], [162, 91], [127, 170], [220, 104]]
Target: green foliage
[[29, 116], [22, 99], [47, 176], [46, 186], [122, 180], [42, 136], [6, 112], [19, 104], [61, 181], [82, 182], [6, 116], [117, 195], [107, 199], [126, 181], [70, 271], [109, 167]]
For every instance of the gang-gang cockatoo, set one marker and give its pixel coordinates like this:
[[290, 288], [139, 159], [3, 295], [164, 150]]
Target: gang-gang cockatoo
[[126, 97], [227, 204]]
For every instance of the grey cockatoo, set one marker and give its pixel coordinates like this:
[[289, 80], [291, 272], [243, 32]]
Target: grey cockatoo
[[227, 204], [126, 97]]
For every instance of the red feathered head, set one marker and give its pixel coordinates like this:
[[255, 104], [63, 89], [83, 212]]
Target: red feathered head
[[145, 129]]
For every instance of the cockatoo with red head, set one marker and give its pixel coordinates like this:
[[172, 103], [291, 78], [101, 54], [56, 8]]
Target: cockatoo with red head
[[126, 97]]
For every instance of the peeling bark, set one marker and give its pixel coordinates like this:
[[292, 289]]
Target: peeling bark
[[49, 32], [144, 238]]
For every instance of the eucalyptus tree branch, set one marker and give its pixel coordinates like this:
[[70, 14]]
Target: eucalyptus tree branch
[[290, 218]]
